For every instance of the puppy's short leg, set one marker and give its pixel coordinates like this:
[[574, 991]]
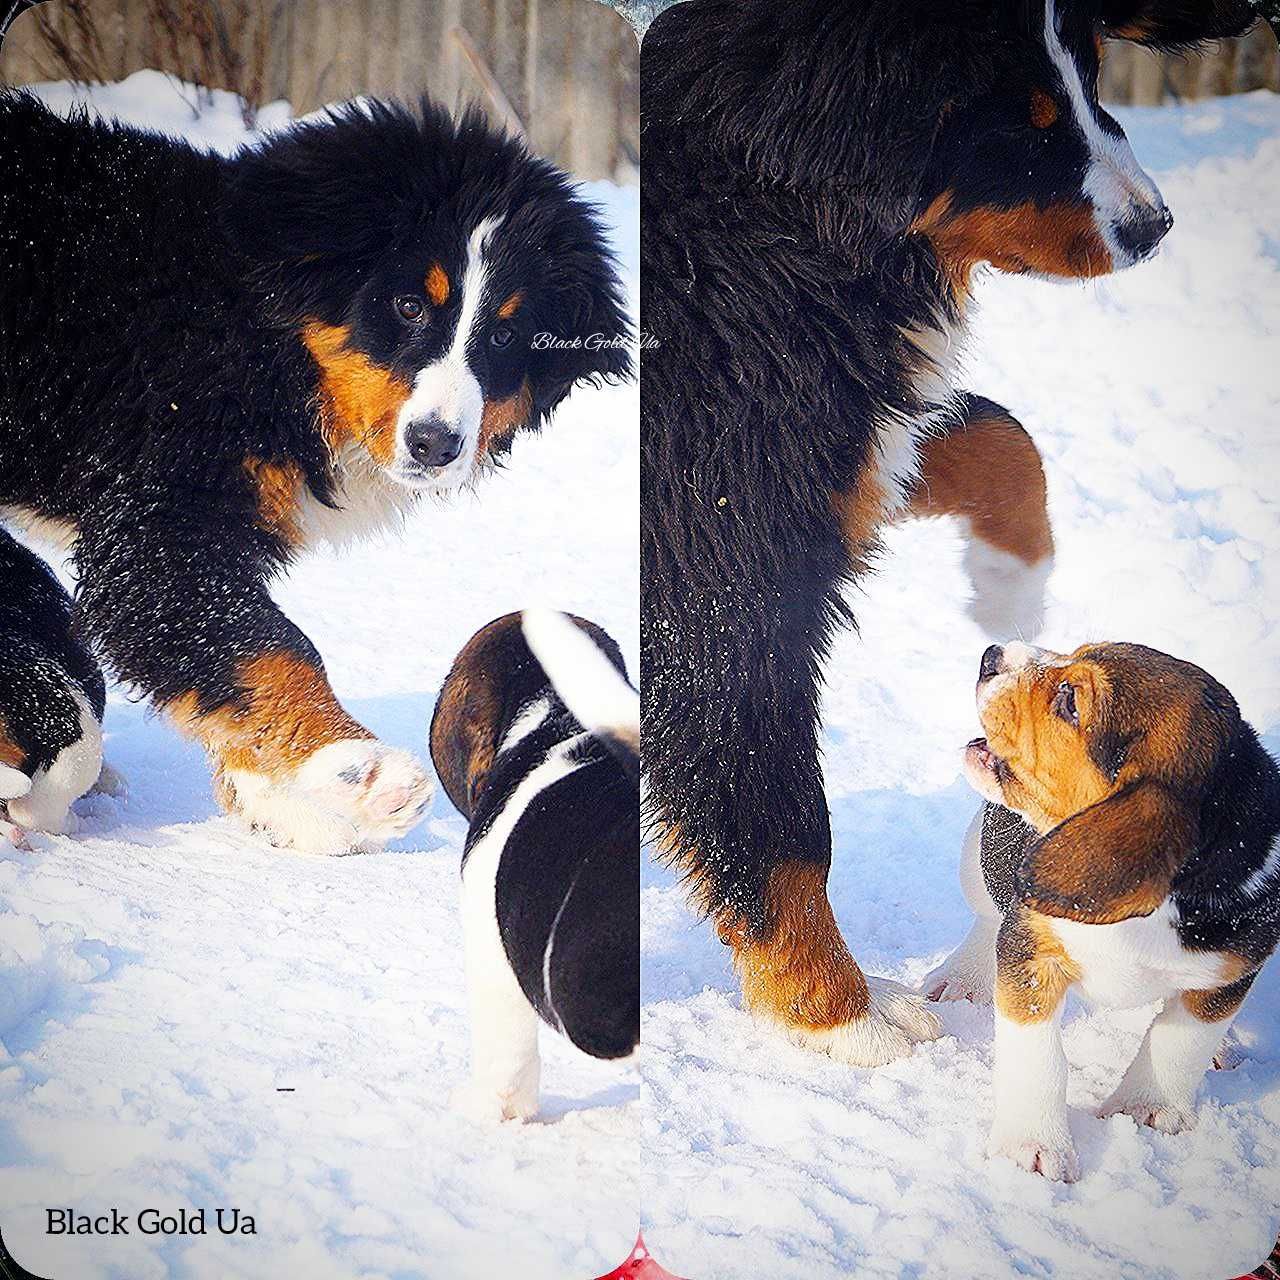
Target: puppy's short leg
[[111, 782], [1030, 1080], [505, 1067], [47, 805], [1159, 1088], [969, 972]]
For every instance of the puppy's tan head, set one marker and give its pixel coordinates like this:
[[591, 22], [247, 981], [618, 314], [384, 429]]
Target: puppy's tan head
[[1106, 752]]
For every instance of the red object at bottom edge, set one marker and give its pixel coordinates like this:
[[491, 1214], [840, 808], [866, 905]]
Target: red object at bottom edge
[[639, 1266]]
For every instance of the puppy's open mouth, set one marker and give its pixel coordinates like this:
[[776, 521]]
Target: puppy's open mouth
[[978, 755]]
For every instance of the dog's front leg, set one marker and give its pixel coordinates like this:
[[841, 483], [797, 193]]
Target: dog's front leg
[[180, 608], [1029, 1124], [1159, 1088]]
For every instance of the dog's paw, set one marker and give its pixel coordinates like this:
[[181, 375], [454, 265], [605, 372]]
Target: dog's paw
[[484, 1103], [111, 782], [15, 835], [956, 980], [383, 791], [1231, 1053], [348, 797], [1155, 1113], [1053, 1157], [896, 1020]]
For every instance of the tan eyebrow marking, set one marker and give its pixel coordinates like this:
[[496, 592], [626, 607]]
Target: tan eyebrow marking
[[1044, 111], [511, 306], [437, 285]]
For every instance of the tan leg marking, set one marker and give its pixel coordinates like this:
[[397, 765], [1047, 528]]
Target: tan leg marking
[[10, 753], [988, 472], [289, 713], [360, 400], [800, 973], [1033, 970]]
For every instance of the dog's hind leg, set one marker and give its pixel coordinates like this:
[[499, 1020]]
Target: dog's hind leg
[[988, 472], [180, 606]]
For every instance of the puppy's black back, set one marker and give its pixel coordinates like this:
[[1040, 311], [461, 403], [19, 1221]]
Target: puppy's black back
[[41, 659]]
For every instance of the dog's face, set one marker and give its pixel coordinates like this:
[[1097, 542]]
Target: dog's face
[[1028, 171], [974, 123], [450, 288], [1066, 732]]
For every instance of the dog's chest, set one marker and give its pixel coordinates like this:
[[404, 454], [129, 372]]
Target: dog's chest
[[1138, 961], [935, 352]]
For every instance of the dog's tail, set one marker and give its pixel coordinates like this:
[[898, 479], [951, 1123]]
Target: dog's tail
[[14, 784], [597, 694]]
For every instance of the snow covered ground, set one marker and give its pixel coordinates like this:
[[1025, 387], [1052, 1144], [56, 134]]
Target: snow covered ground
[[1154, 397], [164, 976]]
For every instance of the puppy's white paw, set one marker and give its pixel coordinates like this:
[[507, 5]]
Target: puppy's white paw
[[954, 979], [485, 1103], [1231, 1053], [15, 835], [1052, 1156], [111, 782], [1156, 1113], [896, 1020], [349, 796]]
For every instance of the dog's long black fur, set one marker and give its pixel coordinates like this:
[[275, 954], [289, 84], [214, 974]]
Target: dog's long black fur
[[152, 360], [788, 154]]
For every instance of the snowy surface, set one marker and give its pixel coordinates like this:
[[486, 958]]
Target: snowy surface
[[1155, 399], [164, 975]]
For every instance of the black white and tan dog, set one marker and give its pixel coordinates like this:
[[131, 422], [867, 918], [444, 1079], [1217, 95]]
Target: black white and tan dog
[[1130, 851], [821, 182], [209, 365], [52, 698], [536, 738]]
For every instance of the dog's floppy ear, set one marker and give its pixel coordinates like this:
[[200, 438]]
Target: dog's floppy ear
[[1172, 24], [586, 335], [1112, 861], [310, 206]]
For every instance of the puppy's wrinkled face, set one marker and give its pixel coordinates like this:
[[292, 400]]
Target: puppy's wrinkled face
[[1066, 731]]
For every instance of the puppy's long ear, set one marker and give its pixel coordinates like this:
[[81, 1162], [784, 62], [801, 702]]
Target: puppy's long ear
[[1112, 861], [1172, 24]]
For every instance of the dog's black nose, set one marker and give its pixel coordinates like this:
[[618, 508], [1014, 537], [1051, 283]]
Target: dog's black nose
[[1141, 232], [990, 664], [431, 443]]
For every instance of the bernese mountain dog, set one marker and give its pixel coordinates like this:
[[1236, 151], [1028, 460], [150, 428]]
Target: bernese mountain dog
[[536, 738], [52, 698], [1129, 850], [209, 365], [820, 183]]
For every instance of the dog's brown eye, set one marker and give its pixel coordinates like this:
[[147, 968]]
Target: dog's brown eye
[[1064, 704], [410, 308], [502, 336], [1044, 111]]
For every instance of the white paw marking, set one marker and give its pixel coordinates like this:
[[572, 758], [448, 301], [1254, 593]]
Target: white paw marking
[[480, 1101], [111, 782], [15, 836], [1053, 1158], [1155, 1113], [350, 796], [897, 1019]]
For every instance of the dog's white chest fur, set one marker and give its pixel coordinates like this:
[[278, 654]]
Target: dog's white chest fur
[[899, 435], [1138, 961]]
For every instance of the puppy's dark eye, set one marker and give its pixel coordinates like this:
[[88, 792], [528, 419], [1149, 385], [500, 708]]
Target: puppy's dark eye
[[502, 336], [1064, 704], [410, 308]]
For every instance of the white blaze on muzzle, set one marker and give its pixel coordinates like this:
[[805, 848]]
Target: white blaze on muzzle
[[1130, 212], [438, 428]]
